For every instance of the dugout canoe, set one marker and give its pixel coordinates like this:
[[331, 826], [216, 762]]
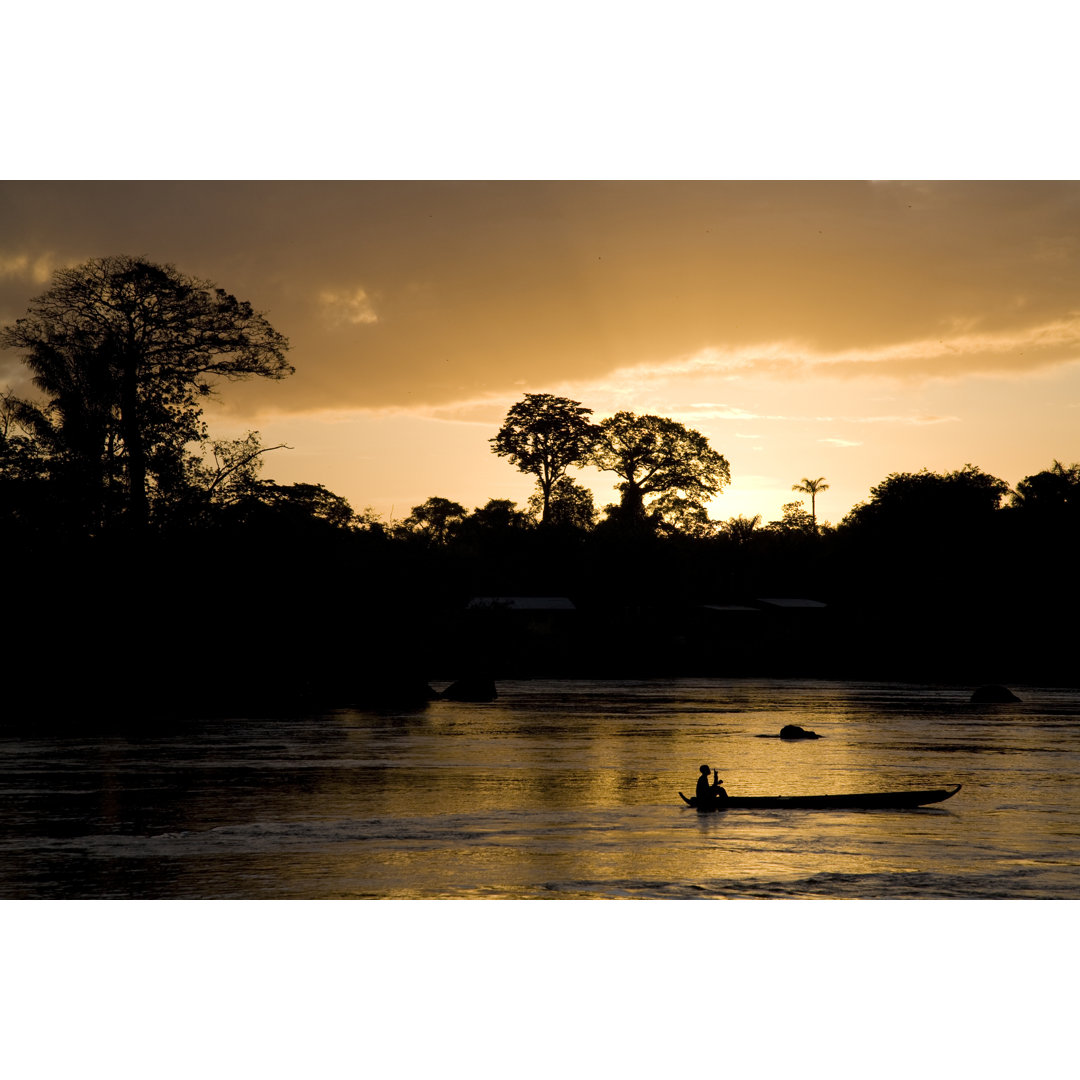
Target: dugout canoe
[[867, 800]]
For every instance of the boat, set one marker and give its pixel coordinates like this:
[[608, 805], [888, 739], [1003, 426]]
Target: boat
[[867, 800]]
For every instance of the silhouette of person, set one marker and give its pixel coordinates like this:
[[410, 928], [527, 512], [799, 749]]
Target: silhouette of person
[[709, 794]]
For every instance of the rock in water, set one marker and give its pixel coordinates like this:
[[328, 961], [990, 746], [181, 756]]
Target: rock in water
[[793, 731]]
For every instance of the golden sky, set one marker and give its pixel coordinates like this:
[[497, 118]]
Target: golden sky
[[808, 328]]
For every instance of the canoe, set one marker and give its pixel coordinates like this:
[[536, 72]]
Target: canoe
[[868, 800]]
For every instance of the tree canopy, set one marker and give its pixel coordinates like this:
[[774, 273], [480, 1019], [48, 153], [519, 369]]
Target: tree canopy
[[794, 519], [1052, 495], [544, 435], [124, 351], [925, 501], [435, 518], [656, 456], [570, 505], [741, 528]]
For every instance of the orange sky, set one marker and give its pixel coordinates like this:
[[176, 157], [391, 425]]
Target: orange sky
[[837, 329]]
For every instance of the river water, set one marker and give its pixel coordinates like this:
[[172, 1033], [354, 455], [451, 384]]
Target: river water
[[559, 789]]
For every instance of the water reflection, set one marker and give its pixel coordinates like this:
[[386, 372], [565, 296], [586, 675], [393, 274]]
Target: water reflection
[[556, 789]]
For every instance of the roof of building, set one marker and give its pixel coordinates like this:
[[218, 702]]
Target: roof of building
[[522, 603]]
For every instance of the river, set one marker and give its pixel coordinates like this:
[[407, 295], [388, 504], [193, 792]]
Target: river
[[558, 789]]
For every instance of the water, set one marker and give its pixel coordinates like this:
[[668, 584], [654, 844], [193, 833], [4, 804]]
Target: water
[[558, 789]]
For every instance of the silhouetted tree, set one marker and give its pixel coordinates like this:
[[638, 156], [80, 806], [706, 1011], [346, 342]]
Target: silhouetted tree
[[794, 518], [1052, 495], [655, 456], [544, 435], [124, 350], [687, 517], [233, 466], [370, 521], [500, 514], [811, 488], [929, 502], [1043, 530], [435, 519], [571, 505], [299, 505], [741, 528], [29, 499]]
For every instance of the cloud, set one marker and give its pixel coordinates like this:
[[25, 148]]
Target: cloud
[[916, 420], [630, 287], [708, 410], [352, 307], [1009, 353], [489, 413], [36, 268], [719, 360], [958, 352]]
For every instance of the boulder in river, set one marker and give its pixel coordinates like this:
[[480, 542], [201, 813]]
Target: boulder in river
[[793, 731]]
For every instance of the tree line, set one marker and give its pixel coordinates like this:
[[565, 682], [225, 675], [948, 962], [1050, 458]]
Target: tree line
[[125, 352], [135, 532]]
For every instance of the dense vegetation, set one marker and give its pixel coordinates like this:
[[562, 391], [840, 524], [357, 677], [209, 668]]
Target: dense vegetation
[[151, 569]]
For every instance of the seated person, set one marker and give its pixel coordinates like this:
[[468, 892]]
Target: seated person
[[707, 793]]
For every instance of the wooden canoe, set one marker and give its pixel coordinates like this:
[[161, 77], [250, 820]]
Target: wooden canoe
[[869, 800]]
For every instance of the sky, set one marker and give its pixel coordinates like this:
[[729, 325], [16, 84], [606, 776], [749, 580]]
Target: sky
[[836, 329]]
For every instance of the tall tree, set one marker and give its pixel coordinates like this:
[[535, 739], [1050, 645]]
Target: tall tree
[[544, 435], [125, 350], [811, 488], [655, 456]]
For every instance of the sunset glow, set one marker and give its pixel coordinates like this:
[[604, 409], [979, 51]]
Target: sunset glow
[[837, 329]]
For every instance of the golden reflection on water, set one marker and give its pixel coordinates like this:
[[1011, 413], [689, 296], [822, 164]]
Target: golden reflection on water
[[571, 790], [510, 799]]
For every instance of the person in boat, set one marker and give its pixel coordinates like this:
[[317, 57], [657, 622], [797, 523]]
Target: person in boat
[[709, 793]]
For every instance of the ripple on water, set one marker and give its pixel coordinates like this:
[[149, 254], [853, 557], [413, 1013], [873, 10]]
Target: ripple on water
[[559, 790]]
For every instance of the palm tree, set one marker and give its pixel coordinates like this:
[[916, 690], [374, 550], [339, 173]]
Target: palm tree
[[811, 488], [741, 528]]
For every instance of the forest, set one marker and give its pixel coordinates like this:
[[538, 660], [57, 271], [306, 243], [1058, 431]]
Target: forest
[[152, 571]]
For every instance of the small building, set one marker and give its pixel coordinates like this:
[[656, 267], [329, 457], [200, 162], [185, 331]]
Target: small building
[[520, 603], [791, 604]]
